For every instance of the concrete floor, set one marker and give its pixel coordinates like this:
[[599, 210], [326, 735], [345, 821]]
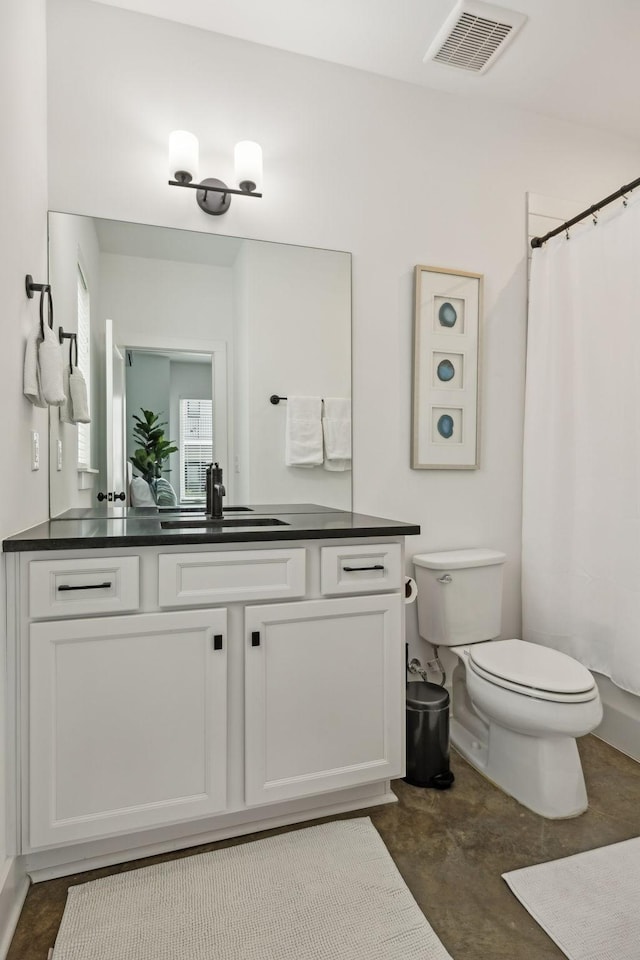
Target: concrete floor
[[451, 848]]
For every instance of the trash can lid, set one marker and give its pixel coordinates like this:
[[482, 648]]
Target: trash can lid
[[426, 696]]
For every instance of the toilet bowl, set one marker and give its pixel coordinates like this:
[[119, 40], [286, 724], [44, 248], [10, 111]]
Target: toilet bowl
[[516, 707]]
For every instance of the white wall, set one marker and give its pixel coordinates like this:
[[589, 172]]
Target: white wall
[[164, 297], [397, 174], [23, 249]]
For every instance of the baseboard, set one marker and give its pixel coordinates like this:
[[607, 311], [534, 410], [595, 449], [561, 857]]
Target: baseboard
[[44, 866], [620, 725], [14, 884]]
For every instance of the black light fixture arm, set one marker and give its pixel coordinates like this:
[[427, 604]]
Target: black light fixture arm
[[207, 188], [590, 211]]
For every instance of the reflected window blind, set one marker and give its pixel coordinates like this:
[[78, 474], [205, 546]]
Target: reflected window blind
[[196, 447], [84, 363]]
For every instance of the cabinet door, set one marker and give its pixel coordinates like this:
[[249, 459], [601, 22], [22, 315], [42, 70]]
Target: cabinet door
[[128, 720], [324, 696]]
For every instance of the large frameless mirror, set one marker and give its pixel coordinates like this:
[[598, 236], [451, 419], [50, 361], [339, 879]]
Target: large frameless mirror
[[182, 338]]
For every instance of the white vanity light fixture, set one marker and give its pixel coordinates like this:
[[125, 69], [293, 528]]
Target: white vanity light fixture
[[213, 195]]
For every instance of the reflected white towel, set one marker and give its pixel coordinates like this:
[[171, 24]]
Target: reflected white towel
[[32, 387], [66, 411], [303, 444], [79, 400], [51, 366], [336, 428]]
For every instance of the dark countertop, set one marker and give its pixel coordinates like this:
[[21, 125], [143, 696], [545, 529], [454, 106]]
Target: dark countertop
[[91, 529]]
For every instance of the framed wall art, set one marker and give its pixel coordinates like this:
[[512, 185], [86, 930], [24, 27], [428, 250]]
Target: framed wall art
[[446, 339]]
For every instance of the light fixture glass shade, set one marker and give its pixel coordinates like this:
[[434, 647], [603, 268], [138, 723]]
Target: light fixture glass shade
[[248, 160], [183, 156]]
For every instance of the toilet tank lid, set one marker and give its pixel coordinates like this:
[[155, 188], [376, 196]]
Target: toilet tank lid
[[459, 559]]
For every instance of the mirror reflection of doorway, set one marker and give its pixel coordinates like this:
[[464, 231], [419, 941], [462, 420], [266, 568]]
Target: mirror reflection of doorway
[[176, 387]]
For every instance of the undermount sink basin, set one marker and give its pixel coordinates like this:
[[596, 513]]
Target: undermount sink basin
[[225, 523], [181, 510]]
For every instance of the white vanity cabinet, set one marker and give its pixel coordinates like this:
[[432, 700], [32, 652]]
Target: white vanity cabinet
[[127, 723], [323, 696], [165, 693]]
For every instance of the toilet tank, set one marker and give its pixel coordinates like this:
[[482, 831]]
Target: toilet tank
[[459, 595]]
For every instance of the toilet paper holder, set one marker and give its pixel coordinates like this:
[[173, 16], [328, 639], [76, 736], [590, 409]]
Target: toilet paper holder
[[410, 590]]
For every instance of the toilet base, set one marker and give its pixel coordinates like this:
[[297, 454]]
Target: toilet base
[[542, 773]]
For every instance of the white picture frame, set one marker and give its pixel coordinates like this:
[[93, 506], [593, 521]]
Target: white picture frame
[[446, 347]]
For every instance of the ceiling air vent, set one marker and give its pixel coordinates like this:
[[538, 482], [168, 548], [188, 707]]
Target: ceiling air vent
[[474, 35]]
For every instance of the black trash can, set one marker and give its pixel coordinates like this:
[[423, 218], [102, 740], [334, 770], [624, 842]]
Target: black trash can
[[428, 736]]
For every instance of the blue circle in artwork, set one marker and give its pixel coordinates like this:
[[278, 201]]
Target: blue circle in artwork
[[447, 315], [445, 426], [446, 370]]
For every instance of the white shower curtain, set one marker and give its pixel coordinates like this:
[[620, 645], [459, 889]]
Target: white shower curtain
[[581, 526]]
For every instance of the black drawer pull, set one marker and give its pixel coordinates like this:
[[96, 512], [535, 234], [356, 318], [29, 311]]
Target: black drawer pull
[[217, 641], [255, 638], [85, 586], [376, 566]]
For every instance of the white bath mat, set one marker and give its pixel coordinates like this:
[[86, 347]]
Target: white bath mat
[[589, 904], [324, 893]]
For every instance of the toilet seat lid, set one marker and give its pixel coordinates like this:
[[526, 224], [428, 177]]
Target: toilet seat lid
[[535, 668]]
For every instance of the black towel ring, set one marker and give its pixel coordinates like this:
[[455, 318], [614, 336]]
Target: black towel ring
[[73, 341], [46, 289]]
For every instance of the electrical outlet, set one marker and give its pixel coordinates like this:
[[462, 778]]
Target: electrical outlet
[[59, 458], [35, 450]]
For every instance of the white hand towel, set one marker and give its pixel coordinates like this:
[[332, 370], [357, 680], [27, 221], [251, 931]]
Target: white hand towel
[[32, 387], [66, 410], [303, 445], [336, 428], [51, 366], [79, 400]]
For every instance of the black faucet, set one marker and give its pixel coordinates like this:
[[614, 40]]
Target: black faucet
[[215, 491]]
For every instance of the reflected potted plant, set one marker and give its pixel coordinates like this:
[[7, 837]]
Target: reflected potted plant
[[150, 457]]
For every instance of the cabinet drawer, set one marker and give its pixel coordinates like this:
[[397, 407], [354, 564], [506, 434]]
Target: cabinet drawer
[[360, 569], [190, 579], [69, 588]]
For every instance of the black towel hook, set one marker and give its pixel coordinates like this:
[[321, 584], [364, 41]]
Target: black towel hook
[[32, 287]]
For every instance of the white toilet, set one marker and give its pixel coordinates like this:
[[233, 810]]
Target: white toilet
[[516, 707]]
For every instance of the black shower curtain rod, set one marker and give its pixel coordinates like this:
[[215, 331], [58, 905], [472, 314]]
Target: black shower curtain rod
[[538, 241]]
